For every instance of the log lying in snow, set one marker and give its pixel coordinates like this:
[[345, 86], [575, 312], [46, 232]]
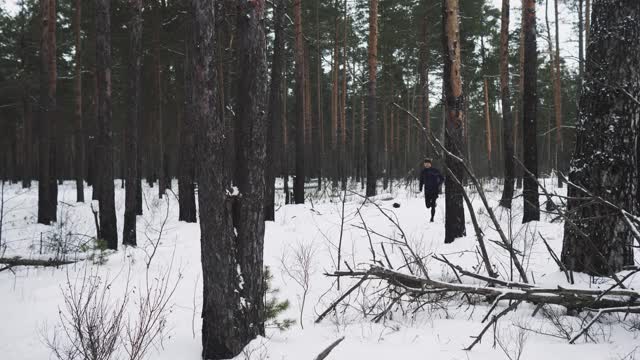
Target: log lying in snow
[[567, 297], [18, 261]]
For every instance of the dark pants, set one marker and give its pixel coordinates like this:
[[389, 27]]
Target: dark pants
[[430, 201]]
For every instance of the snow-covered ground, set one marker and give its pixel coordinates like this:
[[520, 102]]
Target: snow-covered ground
[[30, 298]]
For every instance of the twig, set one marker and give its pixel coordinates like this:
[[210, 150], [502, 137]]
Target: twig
[[328, 350], [493, 321]]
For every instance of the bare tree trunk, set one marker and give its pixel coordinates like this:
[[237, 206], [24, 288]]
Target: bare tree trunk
[[335, 102], [221, 314], [108, 230], [159, 104], [47, 181], [274, 120], [557, 97], [587, 21], [343, 104], [507, 119], [252, 101], [487, 111], [372, 121], [78, 133], [519, 119], [424, 77], [133, 121], [455, 121], [187, 173], [598, 240], [529, 107], [320, 115], [298, 184]]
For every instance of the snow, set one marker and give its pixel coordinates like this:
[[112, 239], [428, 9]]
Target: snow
[[31, 297]]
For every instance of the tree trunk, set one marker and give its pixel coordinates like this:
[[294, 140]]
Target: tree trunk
[[251, 116], [606, 158], [221, 320], [187, 175], [108, 230], [274, 120], [79, 133], [487, 111], [557, 97], [298, 184], [587, 21], [47, 186], [519, 119], [335, 101], [133, 121], [529, 107], [159, 100], [372, 115], [455, 121], [343, 104], [424, 78], [507, 119]]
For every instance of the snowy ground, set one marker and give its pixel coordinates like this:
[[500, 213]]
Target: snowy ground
[[31, 297]]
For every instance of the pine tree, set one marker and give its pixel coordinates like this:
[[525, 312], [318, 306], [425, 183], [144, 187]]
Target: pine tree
[[108, 230], [597, 239], [133, 115], [274, 120], [529, 108], [372, 115], [455, 120], [507, 117]]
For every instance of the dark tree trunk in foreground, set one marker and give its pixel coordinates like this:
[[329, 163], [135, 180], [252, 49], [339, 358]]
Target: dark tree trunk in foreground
[[455, 121], [529, 108], [77, 84], [47, 186], [507, 118], [274, 120], [108, 230], [186, 173], [251, 146], [298, 183], [605, 161], [133, 121], [221, 313], [372, 115]]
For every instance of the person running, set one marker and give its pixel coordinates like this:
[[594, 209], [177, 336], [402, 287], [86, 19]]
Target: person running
[[430, 180]]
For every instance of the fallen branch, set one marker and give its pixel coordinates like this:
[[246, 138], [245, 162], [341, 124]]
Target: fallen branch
[[18, 261], [623, 309], [328, 350], [494, 320]]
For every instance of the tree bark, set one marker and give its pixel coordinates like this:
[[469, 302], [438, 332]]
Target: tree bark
[[252, 101], [507, 118], [298, 184], [220, 311], [274, 120], [529, 107], [557, 98], [108, 230], [47, 186], [372, 115], [606, 158], [455, 121], [187, 175], [159, 101], [79, 133], [133, 121]]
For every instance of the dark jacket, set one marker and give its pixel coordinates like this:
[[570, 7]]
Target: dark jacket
[[430, 179]]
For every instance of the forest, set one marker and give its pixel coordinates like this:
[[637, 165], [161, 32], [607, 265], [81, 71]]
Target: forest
[[219, 179]]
